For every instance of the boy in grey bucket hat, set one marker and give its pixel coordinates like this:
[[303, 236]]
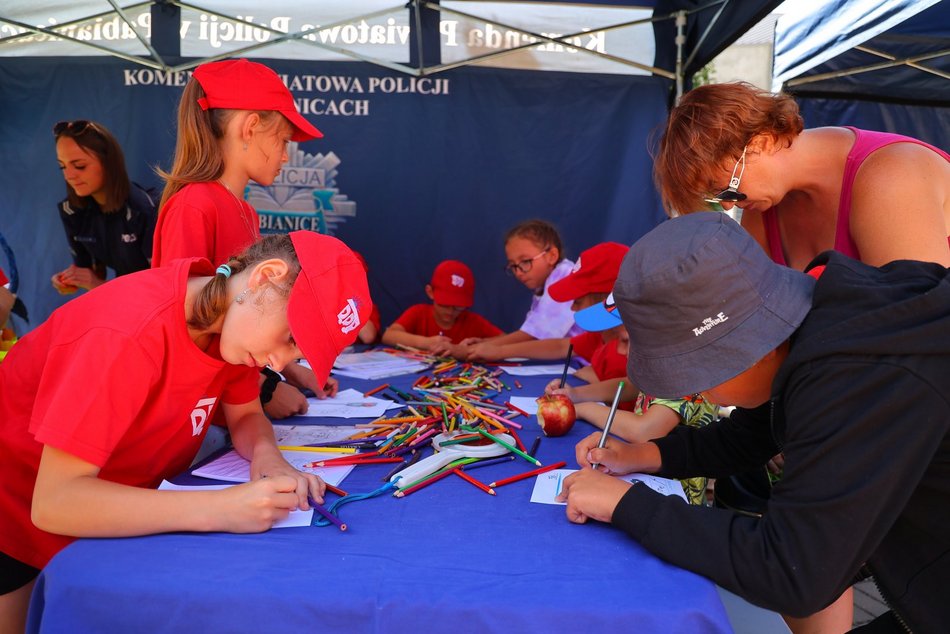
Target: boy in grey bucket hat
[[847, 376]]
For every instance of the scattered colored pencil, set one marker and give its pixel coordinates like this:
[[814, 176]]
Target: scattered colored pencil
[[335, 489], [316, 449], [509, 447], [488, 462], [438, 475], [527, 474], [487, 489], [377, 389], [535, 446]]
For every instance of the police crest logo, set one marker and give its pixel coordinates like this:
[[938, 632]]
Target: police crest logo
[[458, 280], [201, 414], [303, 196]]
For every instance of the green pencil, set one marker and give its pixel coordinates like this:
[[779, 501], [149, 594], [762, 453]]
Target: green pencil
[[507, 446]]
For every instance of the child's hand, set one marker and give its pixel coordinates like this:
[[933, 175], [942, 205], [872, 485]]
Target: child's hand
[[484, 351], [286, 401], [439, 345], [258, 505], [269, 463], [554, 387], [616, 458], [79, 277], [590, 494], [471, 341], [63, 287]]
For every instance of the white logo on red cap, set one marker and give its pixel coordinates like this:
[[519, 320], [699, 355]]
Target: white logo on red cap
[[349, 317], [709, 322], [458, 280]]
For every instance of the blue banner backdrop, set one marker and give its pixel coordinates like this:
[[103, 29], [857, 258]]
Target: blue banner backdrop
[[410, 172]]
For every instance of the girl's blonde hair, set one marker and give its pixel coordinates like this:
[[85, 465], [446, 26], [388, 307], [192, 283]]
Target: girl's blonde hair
[[198, 155], [212, 301]]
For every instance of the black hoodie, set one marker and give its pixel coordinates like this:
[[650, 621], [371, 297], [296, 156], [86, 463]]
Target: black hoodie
[[861, 411]]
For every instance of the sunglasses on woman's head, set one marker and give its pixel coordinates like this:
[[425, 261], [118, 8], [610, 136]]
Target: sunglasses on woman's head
[[731, 194], [73, 127]]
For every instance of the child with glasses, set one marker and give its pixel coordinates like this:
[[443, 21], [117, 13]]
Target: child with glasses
[[440, 327], [589, 283], [874, 196], [536, 259], [109, 220]]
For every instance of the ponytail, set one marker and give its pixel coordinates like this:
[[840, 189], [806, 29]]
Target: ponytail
[[212, 300]]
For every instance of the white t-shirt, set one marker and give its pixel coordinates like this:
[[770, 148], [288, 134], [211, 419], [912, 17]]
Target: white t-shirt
[[548, 319]]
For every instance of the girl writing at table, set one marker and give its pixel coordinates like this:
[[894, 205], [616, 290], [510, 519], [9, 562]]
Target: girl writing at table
[[535, 256], [235, 119], [165, 349]]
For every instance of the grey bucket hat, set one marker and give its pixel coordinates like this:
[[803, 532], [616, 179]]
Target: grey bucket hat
[[702, 303]]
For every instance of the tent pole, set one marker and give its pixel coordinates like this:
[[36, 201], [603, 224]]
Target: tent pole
[[680, 41]]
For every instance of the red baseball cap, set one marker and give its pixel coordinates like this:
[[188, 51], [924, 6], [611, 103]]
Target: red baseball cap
[[594, 272], [243, 85], [329, 301], [453, 284]]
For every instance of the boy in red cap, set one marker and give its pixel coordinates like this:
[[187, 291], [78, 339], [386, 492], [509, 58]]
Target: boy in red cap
[[588, 283], [235, 119], [441, 326], [113, 394]]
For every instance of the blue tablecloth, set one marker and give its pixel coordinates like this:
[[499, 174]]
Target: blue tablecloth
[[448, 558]]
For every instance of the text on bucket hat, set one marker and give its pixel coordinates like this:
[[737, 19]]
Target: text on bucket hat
[[329, 301], [239, 84], [453, 284], [594, 272], [703, 303]]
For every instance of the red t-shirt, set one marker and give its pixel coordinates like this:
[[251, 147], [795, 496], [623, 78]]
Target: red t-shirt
[[586, 344], [113, 378], [204, 220], [608, 363], [420, 320], [3, 278]]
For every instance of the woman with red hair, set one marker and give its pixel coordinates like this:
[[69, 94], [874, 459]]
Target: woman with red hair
[[874, 196]]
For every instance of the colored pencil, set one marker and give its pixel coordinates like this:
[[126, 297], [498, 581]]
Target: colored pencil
[[518, 384], [488, 462], [535, 445], [567, 363], [487, 489], [322, 510], [527, 474], [509, 447], [610, 421], [316, 449], [438, 475], [339, 462], [377, 389], [337, 490], [518, 409]]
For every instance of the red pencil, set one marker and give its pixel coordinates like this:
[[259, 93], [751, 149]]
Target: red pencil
[[377, 389], [527, 474], [517, 409], [337, 490], [343, 463], [472, 480], [424, 483]]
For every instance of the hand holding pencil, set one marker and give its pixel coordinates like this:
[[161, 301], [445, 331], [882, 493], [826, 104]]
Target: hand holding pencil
[[617, 457]]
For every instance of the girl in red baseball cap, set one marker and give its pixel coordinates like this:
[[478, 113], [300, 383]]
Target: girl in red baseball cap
[[235, 120], [115, 391]]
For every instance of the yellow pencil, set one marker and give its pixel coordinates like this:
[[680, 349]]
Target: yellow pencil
[[317, 449]]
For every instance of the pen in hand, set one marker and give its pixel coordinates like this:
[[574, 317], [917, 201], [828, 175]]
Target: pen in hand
[[610, 421]]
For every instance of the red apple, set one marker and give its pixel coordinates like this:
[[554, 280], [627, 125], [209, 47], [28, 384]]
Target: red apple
[[556, 414]]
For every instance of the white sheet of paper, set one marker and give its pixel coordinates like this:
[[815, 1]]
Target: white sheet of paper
[[527, 403], [536, 370], [296, 518], [547, 486], [349, 404], [298, 435], [231, 467]]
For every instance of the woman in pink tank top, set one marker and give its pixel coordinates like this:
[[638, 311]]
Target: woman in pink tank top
[[874, 196]]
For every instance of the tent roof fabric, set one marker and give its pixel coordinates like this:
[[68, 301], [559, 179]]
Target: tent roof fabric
[[897, 51]]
